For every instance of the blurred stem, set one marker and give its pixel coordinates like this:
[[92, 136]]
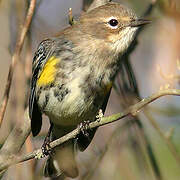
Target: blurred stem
[[15, 58], [167, 140], [15, 140], [147, 149], [170, 110], [117, 132], [70, 17], [94, 168]]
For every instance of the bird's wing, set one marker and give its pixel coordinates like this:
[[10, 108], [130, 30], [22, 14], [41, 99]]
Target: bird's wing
[[41, 56]]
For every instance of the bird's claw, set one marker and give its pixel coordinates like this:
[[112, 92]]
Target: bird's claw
[[100, 115], [84, 126], [46, 148]]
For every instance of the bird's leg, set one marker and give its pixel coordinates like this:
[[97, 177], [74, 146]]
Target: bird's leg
[[46, 149]]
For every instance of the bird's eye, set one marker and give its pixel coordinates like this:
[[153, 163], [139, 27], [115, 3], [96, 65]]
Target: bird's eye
[[113, 23]]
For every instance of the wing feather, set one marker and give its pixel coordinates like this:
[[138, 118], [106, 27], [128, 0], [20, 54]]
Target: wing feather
[[40, 58]]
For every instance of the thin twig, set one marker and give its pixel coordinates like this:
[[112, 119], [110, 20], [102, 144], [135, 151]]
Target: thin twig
[[70, 17], [15, 58], [132, 110]]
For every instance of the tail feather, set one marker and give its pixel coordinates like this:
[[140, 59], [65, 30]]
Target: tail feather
[[65, 157], [62, 162], [51, 168]]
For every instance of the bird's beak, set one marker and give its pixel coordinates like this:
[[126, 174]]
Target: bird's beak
[[139, 22]]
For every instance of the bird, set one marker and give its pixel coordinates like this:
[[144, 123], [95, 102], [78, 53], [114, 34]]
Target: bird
[[72, 77]]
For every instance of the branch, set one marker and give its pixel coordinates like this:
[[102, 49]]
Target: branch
[[132, 110], [15, 58], [70, 17], [16, 139]]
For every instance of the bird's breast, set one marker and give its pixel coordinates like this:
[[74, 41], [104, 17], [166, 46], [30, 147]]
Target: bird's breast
[[76, 100]]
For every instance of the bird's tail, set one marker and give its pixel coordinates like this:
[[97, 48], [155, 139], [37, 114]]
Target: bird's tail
[[62, 161]]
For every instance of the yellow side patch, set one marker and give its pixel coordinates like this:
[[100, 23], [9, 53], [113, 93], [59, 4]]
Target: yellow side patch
[[47, 75]]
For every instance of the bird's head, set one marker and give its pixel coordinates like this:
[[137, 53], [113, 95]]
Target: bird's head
[[112, 23]]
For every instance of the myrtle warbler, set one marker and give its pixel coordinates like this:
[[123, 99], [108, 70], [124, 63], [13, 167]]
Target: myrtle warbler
[[72, 76]]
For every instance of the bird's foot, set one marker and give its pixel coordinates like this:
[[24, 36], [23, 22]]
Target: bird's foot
[[46, 148], [100, 115], [84, 126]]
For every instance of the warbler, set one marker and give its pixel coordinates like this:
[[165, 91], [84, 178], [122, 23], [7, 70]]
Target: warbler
[[72, 76]]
